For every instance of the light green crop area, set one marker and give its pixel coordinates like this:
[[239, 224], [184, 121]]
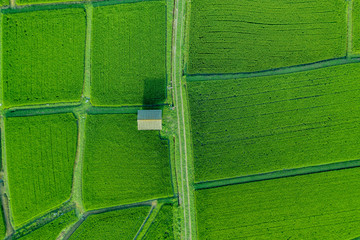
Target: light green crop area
[[116, 225], [40, 153], [123, 165], [162, 227], [229, 36], [356, 26], [43, 56], [4, 2], [316, 206], [263, 124], [128, 54], [51, 230]]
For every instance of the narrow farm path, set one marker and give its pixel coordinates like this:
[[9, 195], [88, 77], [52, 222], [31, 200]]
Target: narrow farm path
[[151, 212], [177, 46], [277, 71], [150, 220], [109, 209], [278, 174], [349, 28]]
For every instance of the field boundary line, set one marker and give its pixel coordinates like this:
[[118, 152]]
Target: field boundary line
[[42, 220], [349, 28], [153, 206], [76, 190], [87, 71], [177, 46], [85, 107], [278, 174], [59, 5], [4, 188], [68, 234], [273, 72]]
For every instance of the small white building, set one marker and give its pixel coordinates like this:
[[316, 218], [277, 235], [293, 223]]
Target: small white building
[[149, 119]]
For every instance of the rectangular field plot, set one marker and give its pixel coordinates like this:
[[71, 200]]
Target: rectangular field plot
[[43, 56], [51, 230], [262, 124], [40, 154], [123, 165], [163, 226], [229, 36], [315, 206], [115, 225], [356, 27], [128, 54]]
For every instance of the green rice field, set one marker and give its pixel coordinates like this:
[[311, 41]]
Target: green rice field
[[162, 227], [40, 153], [128, 54], [4, 2], [229, 36], [51, 46], [115, 225], [51, 230], [316, 206], [132, 166], [262, 124]]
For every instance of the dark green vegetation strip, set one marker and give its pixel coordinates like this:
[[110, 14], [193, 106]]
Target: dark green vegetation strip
[[123, 165], [229, 36], [255, 125], [356, 27], [278, 174], [128, 54], [316, 206], [272, 72], [162, 227], [51, 230], [2, 223], [43, 59], [40, 157], [122, 224]]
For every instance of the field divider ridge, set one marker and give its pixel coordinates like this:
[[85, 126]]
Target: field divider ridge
[[76, 191], [114, 208], [87, 70], [41, 221], [273, 72], [150, 221], [151, 213], [278, 174], [59, 5], [349, 28]]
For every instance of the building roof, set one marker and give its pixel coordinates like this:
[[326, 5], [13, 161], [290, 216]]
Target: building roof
[[149, 114]]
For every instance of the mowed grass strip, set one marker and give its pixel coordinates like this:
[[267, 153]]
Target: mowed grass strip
[[315, 206], [43, 56], [128, 54], [40, 154], [123, 165], [262, 124], [163, 226], [356, 27], [53, 229], [115, 225], [230, 36]]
